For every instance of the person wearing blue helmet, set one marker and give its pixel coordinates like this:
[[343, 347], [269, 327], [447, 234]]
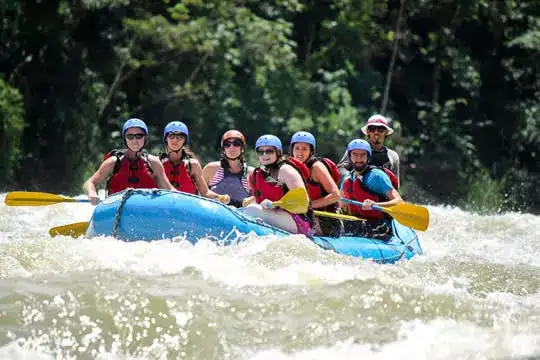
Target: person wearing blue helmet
[[182, 167], [372, 186], [128, 168], [322, 188], [271, 181]]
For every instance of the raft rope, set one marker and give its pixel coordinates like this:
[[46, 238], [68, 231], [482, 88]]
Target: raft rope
[[125, 196], [118, 214]]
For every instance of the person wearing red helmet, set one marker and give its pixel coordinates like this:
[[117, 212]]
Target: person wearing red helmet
[[376, 130], [129, 168], [182, 168], [230, 174]]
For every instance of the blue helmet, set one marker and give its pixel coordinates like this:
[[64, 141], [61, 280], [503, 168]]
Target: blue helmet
[[134, 123], [175, 126], [304, 137], [359, 144], [269, 140]]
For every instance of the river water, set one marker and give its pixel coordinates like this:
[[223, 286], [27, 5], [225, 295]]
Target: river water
[[475, 294]]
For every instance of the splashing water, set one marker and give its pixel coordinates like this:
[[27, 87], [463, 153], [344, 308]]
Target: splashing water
[[475, 294]]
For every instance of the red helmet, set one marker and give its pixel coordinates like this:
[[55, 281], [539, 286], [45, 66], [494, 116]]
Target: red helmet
[[233, 134]]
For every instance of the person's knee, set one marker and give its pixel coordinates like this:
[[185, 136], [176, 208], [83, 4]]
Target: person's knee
[[254, 210]]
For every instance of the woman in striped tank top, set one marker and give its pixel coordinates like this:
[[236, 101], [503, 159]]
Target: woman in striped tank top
[[229, 175]]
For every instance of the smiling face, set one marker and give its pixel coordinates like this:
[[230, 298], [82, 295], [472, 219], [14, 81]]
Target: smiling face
[[376, 134], [301, 151], [267, 155], [359, 158], [135, 138], [175, 141], [233, 148]]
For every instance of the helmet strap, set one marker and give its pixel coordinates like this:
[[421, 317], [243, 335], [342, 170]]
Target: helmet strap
[[239, 157], [235, 158], [169, 151], [138, 152]]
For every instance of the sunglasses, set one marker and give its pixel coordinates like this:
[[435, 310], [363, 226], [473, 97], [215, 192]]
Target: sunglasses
[[138, 136], [177, 136], [265, 151], [235, 143], [376, 128]]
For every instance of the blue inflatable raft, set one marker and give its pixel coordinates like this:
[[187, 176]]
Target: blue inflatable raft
[[152, 214]]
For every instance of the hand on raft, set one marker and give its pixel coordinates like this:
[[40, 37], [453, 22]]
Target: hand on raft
[[224, 199]]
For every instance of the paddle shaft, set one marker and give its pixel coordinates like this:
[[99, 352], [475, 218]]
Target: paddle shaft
[[54, 201], [30, 198], [360, 203]]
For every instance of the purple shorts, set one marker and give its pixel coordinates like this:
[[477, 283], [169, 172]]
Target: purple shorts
[[302, 225]]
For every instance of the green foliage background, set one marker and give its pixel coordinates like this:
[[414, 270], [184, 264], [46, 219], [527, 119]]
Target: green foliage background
[[464, 94]]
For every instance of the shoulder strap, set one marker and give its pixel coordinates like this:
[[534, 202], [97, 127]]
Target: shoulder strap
[[332, 169], [392, 176], [300, 167], [312, 160], [114, 152], [119, 154]]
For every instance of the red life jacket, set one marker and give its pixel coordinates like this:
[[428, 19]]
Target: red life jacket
[[315, 189], [392, 176], [179, 175], [266, 187], [127, 173], [356, 190]]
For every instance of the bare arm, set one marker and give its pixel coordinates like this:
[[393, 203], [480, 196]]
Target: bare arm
[[159, 173], [394, 198], [209, 171], [202, 187], [320, 174], [104, 171], [290, 177], [249, 199]]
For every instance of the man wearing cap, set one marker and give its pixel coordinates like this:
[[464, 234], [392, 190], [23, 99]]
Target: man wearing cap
[[376, 129]]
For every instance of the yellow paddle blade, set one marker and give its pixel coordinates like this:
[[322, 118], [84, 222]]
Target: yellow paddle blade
[[74, 230], [296, 201], [337, 216], [414, 216], [29, 198]]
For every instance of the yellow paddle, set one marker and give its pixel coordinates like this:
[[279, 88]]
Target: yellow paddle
[[414, 216], [337, 216], [29, 198], [74, 230], [296, 201]]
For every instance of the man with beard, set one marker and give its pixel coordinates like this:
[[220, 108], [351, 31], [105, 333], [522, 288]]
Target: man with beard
[[376, 130], [372, 186]]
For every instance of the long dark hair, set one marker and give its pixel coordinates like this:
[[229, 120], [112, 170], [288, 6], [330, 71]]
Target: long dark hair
[[188, 152], [224, 161]]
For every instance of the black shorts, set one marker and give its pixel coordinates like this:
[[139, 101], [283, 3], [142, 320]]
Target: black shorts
[[378, 229]]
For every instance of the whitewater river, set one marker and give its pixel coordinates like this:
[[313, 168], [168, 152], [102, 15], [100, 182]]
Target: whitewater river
[[475, 294]]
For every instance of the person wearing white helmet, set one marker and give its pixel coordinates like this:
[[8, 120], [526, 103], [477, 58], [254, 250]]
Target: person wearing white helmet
[[376, 130], [370, 185], [128, 168], [182, 168], [230, 174]]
